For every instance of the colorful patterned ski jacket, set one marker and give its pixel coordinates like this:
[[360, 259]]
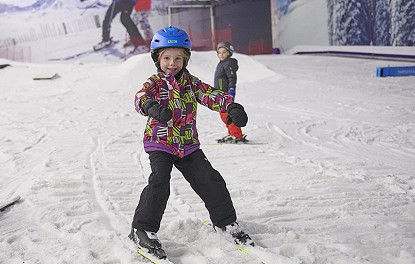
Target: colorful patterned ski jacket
[[179, 135]]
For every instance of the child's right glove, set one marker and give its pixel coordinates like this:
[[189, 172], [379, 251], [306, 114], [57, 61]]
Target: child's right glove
[[158, 112], [236, 115]]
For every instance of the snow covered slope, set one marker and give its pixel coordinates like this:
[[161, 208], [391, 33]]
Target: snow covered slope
[[331, 179], [333, 183]]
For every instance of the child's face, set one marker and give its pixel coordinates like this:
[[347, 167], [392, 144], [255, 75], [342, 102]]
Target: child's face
[[223, 53], [172, 60]]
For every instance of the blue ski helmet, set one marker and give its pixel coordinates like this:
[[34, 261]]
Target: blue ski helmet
[[169, 37]]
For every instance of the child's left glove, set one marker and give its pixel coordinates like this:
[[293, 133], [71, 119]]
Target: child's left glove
[[236, 115]]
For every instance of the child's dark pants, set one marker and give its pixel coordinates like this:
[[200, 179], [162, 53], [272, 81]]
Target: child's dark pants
[[203, 178]]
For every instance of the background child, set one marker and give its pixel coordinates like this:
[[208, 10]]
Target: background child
[[169, 99], [225, 80]]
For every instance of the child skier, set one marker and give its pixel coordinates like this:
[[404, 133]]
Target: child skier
[[225, 80], [169, 100]]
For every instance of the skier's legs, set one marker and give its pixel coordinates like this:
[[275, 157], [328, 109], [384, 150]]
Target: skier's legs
[[145, 26], [235, 131], [112, 11], [210, 186], [232, 129], [125, 17], [153, 199]]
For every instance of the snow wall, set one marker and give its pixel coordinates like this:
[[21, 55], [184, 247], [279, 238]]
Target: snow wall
[[253, 26], [343, 23]]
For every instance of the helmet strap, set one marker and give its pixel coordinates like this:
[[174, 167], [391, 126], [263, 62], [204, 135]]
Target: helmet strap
[[155, 55]]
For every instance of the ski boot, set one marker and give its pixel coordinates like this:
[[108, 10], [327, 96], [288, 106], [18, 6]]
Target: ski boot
[[149, 241], [104, 44], [232, 139], [238, 235], [139, 50], [129, 43]]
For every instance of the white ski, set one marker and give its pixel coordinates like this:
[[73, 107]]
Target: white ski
[[103, 45]]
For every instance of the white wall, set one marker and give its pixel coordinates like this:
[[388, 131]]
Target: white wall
[[304, 24]]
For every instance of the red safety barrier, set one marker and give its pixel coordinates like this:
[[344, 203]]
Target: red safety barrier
[[16, 53], [203, 40]]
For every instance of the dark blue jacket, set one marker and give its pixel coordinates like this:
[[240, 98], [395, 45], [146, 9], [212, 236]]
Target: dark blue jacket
[[117, 1], [225, 74]]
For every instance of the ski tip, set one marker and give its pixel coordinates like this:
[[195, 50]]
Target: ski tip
[[9, 202], [206, 223]]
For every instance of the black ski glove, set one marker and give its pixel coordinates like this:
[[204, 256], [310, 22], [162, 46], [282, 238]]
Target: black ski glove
[[158, 112], [236, 115]]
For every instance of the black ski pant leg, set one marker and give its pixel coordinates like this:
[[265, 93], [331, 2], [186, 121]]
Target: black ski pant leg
[[153, 199], [112, 11], [125, 17], [210, 186]]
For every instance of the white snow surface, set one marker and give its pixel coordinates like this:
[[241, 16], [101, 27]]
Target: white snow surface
[[330, 180], [304, 24]]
